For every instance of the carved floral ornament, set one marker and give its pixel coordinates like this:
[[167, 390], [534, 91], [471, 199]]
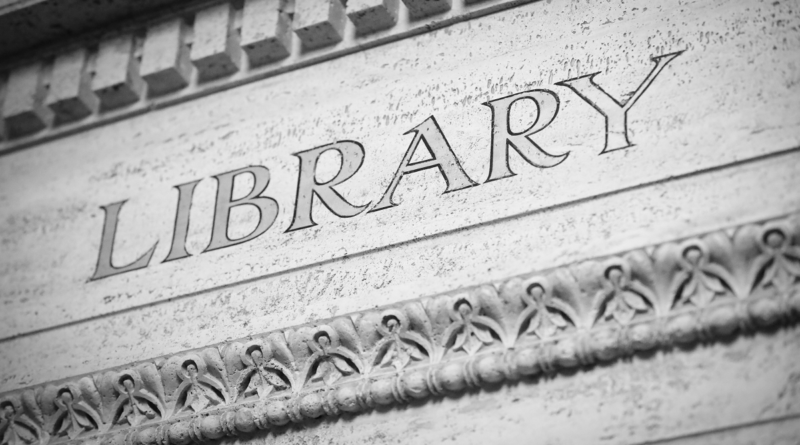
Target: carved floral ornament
[[696, 290]]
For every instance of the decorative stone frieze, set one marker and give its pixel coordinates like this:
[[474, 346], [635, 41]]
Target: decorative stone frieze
[[200, 52], [695, 290]]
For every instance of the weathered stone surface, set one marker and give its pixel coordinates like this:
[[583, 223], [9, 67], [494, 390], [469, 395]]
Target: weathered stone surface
[[423, 8], [266, 31], [353, 40], [23, 109], [548, 323], [319, 23], [32, 23], [116, 78], [430, 266], [253, 126], [215, 50], [165, 57], [712, 142], [70, 95], [682, 397], [373, 15]]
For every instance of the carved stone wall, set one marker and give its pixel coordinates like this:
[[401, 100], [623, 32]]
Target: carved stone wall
[[218, 223], [200, 52], [699, 290]]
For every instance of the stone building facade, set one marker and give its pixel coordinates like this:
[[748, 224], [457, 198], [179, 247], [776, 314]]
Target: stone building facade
[[399, 221]]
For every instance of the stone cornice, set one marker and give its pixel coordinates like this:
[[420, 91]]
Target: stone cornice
[[38, 25], [199, 52], [700, 289]]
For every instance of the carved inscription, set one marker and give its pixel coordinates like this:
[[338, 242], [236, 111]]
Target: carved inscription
[[427, 135], [616, 113]]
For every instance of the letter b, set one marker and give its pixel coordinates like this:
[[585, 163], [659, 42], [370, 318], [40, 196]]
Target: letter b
[[267, 207]]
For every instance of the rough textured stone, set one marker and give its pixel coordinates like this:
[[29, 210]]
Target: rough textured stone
[[714, 145], [373, 15], [266, 31], [31, 23], [215, 49], [70, 95], [423, 8], [319, 23], [253, 125], [681, 397], [165, 57], [3, 131], [116, 78], [24, 111]]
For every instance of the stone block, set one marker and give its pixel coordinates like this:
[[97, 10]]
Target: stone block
[[319, 23], [165, 58], [23, 108], [266, 31], [418, 9], [3, 130], [373, 15], [117, 81], [70, 96], [215, 50]]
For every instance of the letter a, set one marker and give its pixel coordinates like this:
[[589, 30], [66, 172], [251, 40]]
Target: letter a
[[616, 113], [429, 133]]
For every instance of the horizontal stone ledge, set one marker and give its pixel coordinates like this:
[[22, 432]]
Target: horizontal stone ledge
[[226, 49], [26, 24], [702, 289]]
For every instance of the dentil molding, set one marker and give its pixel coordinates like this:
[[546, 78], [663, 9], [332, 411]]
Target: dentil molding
[[700, 289], [200, 51]]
